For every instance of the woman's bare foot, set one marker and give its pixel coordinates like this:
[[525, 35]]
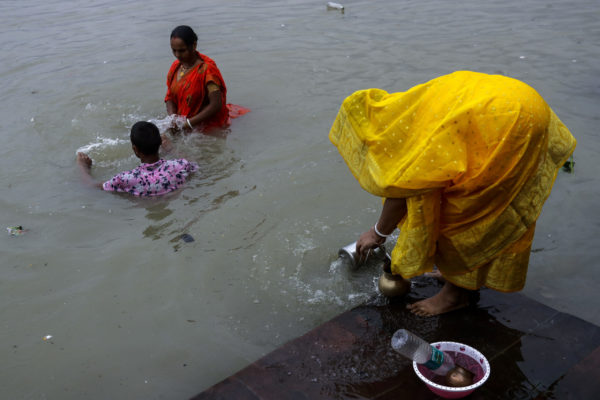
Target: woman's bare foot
[[449, 298]]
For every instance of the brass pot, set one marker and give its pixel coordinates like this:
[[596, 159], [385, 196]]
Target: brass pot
[[391, 285]]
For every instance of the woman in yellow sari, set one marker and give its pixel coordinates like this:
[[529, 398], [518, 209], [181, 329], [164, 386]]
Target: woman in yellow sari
[[464, 163]]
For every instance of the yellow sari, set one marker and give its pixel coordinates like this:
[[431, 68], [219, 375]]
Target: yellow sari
[[474, 155]]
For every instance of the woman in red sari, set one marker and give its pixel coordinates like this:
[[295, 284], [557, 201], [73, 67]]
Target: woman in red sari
[[195, 87]]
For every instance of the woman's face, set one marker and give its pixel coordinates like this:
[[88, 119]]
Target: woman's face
[[181, 51]]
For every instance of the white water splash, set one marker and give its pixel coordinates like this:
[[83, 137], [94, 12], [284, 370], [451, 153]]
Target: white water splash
[[101, 144], [169, 122]]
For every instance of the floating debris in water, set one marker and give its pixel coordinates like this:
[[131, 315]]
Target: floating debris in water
[[46, 338], [187, 238], [16, 230], [335, 6]]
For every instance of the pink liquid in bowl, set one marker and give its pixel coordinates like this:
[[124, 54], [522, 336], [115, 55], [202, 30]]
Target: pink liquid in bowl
[[464, 356]]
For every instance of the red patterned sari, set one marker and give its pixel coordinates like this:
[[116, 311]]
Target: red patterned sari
[[189, 92]]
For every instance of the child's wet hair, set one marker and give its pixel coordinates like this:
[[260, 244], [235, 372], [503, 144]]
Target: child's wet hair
[[146, 137]]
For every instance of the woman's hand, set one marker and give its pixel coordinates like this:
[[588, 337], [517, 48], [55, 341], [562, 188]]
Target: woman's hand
[[368, 241], [393, 212], [187, 126], [178, 122]]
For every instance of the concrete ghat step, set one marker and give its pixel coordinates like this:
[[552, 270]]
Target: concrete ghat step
[[535, 352]]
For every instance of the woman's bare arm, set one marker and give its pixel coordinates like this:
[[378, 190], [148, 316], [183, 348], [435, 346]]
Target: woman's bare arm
[[213, 107]]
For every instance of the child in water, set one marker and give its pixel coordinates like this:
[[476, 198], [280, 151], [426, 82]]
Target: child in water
[[154, 177]]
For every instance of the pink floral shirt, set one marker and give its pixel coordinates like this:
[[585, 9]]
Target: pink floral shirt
[[162, 177]]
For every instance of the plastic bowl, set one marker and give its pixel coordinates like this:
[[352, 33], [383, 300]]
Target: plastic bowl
[[465, 356]]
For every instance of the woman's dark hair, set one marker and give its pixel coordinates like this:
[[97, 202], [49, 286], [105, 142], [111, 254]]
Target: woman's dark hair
[[146, 137], [186, 34]]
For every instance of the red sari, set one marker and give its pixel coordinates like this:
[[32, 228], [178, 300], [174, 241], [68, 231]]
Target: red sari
[[190, 94]]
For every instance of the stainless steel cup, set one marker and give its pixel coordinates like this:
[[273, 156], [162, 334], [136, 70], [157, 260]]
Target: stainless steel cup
[[350, 258]]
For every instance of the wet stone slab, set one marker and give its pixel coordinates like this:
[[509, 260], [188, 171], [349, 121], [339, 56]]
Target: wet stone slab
[[535, 352]]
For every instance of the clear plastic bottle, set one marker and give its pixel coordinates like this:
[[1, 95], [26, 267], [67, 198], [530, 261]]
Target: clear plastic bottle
[[411, 346]]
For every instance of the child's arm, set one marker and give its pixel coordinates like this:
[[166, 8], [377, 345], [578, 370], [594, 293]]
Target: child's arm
[[85, 164], [166, 144]]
